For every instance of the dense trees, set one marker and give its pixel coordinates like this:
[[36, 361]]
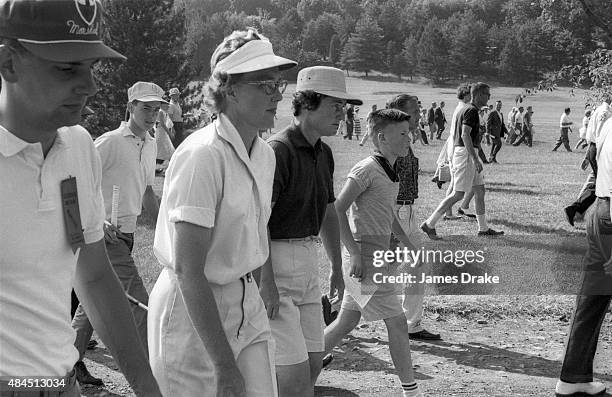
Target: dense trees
[[511, 41]]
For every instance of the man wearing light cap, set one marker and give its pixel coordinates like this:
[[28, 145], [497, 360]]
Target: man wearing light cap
[[176, 115], [51, 205], [128, 171], [303, 207]]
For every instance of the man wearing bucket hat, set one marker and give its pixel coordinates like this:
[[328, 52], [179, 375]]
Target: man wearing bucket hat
[[303, 207], [128, 171], [176, 115], [51, 205], [208, 330]]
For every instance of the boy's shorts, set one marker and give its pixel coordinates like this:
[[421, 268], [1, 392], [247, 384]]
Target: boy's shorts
[[379, 307], [465, 175]]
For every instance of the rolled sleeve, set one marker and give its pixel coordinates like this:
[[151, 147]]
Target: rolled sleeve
[[196, 186], [93, 213]]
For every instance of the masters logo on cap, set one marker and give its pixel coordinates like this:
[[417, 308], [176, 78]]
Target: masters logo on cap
[[56, 30]]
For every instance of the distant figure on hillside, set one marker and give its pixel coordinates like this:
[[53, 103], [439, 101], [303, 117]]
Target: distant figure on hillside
[[176, 115], [496, 128], [566, 127]]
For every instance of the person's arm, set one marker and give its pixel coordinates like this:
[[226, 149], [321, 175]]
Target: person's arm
[[150, 202], [107, 307], [469, 146], [398, 231], [267, 284], [191, 244], [330, 235], [350, 192]]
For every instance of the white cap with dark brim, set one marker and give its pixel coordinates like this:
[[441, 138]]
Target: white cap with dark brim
[[253, 56]]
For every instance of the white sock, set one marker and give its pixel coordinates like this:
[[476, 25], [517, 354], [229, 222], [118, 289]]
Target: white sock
[[411, 390], [433, 219], [482, 223]]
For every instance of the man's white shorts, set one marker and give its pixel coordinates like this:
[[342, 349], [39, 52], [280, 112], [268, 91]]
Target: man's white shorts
[[464, 171]]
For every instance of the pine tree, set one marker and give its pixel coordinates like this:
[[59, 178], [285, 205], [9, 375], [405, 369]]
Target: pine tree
[[364, 50]]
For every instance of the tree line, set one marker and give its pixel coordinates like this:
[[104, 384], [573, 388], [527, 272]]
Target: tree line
[[511, 41]]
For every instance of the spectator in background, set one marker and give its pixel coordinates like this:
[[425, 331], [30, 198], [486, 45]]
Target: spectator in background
[[431, 120], [128, 161], [176, 116], [582, 131], [496, 128], [440, 119], [527, 128], [163, 132], [367, 133], [348, 120], [422, 134], [565, 125]]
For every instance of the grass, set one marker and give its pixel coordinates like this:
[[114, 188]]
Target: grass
[[539, 256]]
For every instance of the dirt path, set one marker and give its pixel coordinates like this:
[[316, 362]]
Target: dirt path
[[478, 357]]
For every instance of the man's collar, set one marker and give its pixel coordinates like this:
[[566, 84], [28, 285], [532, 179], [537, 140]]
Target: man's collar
[[11, 144], [297, 138], [126, 131]]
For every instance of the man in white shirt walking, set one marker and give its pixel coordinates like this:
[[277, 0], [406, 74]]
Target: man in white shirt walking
[[566, 127]]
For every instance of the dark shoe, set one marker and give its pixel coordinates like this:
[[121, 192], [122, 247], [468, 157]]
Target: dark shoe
[[327, 359], [424, 335], [430, 231], [491, 232], [493, 160], [439, 184], [84, 377], [92, 344], [570, 213], [564, 389], [462, 212], [328, 315], [452, 217]]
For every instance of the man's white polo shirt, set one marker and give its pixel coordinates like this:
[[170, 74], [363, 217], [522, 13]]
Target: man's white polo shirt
[[37, 264], [213, 182], [128, 162]]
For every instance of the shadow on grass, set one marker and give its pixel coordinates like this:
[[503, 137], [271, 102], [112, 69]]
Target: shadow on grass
[[328, 391], [482, 356], [531, 229], [354, 357], [524, 192]]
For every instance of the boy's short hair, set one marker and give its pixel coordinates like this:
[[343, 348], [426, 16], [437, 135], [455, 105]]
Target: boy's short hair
[[567, 110], [400, 101], [379, 119]]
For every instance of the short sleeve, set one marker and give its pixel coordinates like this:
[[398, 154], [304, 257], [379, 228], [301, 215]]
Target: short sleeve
[[92, 217], [104, 146], [282, 171], [362, 175], [195, 185], [471, 117]]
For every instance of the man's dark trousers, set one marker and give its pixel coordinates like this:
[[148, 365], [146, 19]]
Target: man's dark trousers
[[593, 298]]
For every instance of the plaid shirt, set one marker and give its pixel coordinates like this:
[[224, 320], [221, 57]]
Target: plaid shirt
[[408, 173]]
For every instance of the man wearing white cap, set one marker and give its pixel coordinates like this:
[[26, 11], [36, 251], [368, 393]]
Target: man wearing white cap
[[176, 115], [303, 207], [128, 171], [51, 206]]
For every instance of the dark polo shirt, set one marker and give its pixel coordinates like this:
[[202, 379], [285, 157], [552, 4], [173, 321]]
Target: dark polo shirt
[[303, 184], [468, 116]]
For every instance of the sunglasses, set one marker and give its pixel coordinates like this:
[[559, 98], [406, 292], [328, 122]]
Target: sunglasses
[[269, 86]]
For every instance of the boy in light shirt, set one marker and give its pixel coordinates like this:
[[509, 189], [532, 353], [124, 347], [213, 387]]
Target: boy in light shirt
[[370, 192]]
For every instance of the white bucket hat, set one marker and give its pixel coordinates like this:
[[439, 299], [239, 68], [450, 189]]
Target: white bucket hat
[[253, 56], [145, 92], [325, 80]]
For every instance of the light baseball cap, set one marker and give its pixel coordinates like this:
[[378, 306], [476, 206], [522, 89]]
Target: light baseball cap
[[56, 30], [253, 56], [145, 92], [325, 80], [174, 91]]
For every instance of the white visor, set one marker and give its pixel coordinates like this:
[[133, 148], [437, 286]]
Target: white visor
[[252, 56]]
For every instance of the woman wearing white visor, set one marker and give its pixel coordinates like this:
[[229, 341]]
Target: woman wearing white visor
[[208, 330]]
